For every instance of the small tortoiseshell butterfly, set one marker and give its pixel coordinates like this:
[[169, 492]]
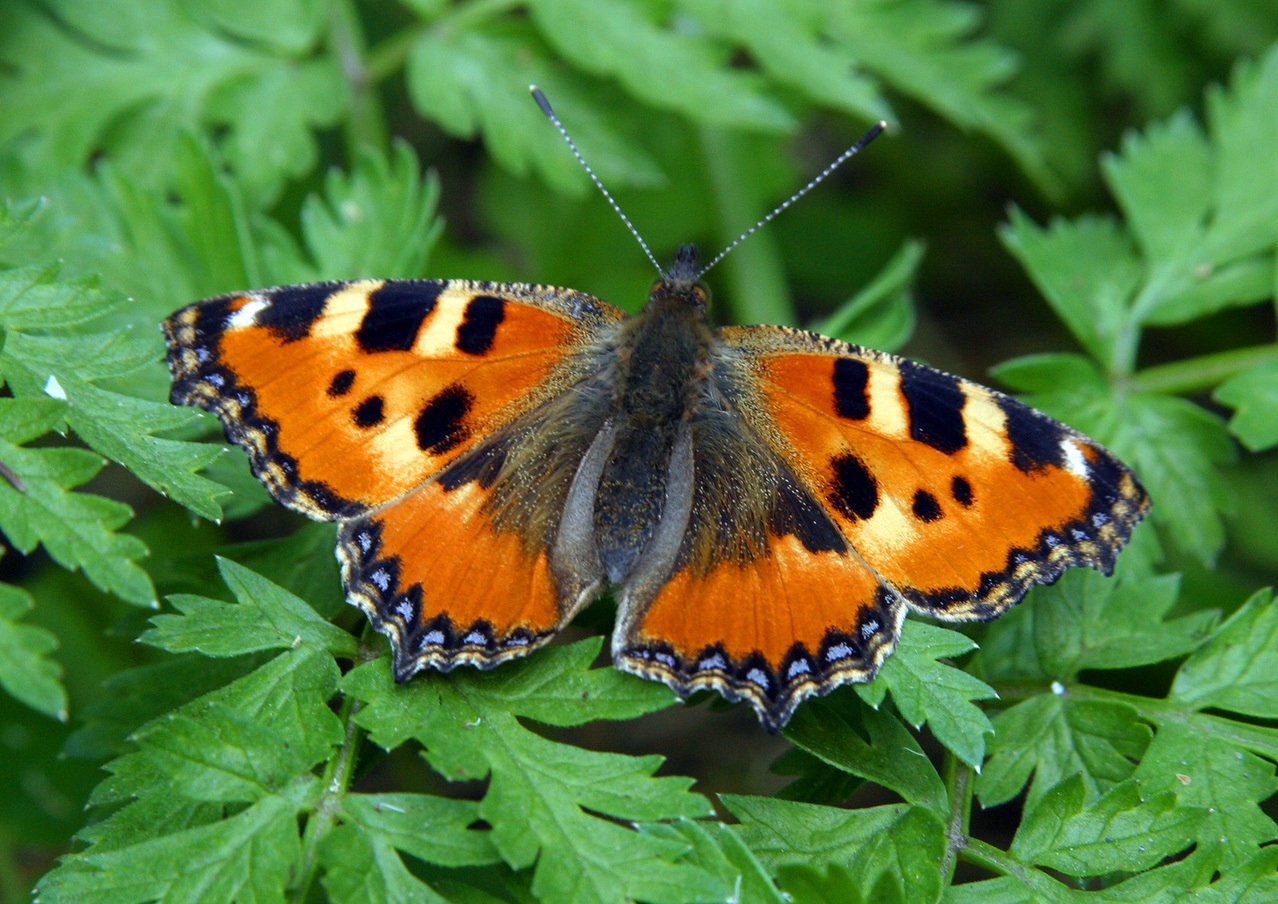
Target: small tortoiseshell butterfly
[[766, 502]]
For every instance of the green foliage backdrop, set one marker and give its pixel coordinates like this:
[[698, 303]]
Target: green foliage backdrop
[[1077, 200]]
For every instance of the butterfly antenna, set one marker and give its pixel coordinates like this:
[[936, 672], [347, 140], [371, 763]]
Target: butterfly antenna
[[865, 139], [550, 114]]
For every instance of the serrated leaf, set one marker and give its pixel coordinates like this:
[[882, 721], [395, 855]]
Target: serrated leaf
[[887, 754], [238, 743], [378, 222], [1237, 670], [1053, 736], [1089, 621], [1086, 269], [433, 829], [926, 50], [792, 49], [899, 864], [1120, 831], [474, 81], [122, 79], [267, 617], [26, 672], [1253, 394], [718, 849], [245, 858], [1227, 783], [77, 529], [925, 690], [365, 869], [665, 67], [537, 789]]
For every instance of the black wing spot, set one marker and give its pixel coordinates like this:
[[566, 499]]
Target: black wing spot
[[851, 384], [795, 512], [341, 384], [478, 328], [935, 402], [961, 490], [854, 491], [369, 413], [395, 314], [293, 310], [926, 508], [440, 425], [1035, 438]]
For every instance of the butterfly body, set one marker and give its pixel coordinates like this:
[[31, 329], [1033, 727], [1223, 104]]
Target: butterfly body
[[765, 502]]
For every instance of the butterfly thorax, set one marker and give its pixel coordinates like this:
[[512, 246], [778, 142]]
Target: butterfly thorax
[[662, 363]]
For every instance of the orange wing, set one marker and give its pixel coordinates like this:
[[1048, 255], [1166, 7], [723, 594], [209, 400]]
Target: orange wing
[[384, 405], [347, 395], [890, 483], [959, 497]]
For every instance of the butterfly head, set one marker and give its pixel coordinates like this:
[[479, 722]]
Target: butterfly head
[[679, 286]]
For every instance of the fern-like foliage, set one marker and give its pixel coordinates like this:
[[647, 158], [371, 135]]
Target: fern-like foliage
[[1110, 739]]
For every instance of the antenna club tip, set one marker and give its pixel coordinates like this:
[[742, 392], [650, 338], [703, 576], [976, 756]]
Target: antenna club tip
[[540, 98]]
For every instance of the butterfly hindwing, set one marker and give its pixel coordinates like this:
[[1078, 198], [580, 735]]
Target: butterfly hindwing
[[419, 413]]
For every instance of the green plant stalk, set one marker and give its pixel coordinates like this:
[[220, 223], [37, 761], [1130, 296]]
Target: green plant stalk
[[367, 123], [985, 855], [1201, 373], [758, 273], [337, 780], [959, 788]]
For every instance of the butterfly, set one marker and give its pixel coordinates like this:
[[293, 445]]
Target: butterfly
[[766, 503]]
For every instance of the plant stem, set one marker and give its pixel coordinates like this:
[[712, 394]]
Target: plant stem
[[1203, 372], [366, 126], [756, 274], [958, 784], [337, 779]]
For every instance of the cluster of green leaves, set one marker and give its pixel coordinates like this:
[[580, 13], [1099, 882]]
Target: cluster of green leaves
[[1111, 739]]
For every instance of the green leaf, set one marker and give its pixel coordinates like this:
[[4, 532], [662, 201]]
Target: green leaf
[[1086, 269], [122, 79], [925, 690], [882, 314], [792, 49], [1089, 621], [878, 748], [718, 849], [926, 50], [474, 81], [363, 869], [1214, 774], [1237, 670], [1053, 736], [246, 857], [378, 222], [65, 365], [661, 66], [1119, 831], [26, 672], [77, 529], [433, 829], [238, 743], [1253, 394], [896, 863], [785, 831], [539, 790], [267, 617]]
